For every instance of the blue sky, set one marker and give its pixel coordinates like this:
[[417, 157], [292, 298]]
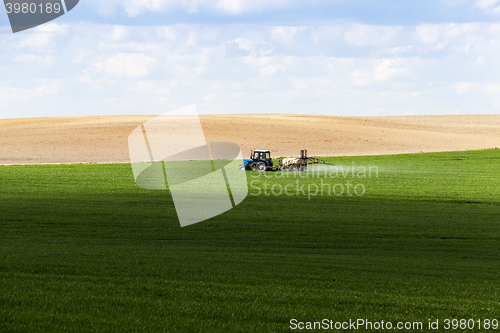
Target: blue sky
[[334, 57]]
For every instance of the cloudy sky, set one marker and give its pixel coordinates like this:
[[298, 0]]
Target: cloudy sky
[[331, 57]]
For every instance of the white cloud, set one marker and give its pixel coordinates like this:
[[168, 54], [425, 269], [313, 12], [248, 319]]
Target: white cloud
[[209, 98], [271, 70], [380, 70], [231, 6], [88, 76], [244, 44], [134, 8], [286, 34], [366, 35], [167, 32], [132, 65], [339, 68], [43, 38], [454, 3], [479, 61], [403, 49], [82, 55], [490, 6], [47, 88], [492, 89], [119, 33], [268, 66], [302, 83], [236, 7], [462, 87], [487, 4], [37, 41], [151, 87], [429, 33], [35, 59]]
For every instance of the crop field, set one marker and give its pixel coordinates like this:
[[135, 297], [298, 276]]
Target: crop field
[[399, 238]]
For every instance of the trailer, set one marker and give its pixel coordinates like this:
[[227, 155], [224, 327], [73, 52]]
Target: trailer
[[300, 164]]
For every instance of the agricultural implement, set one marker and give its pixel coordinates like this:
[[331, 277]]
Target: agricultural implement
[[300, 164], [260, 160]]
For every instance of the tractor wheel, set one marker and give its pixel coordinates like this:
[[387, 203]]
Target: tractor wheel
[[242, 168], [294, 168], [302, 168], [261, 166], [252, 166]]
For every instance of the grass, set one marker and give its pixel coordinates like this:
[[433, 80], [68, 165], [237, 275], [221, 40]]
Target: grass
[[83, 249]]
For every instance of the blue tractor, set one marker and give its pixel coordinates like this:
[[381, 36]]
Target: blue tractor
[[260, 160]]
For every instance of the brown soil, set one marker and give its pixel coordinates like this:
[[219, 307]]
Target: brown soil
[[105, 139]]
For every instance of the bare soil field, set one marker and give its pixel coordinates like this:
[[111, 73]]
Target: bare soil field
[[104, 139]]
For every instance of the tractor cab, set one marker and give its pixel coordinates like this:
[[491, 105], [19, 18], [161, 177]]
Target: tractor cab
[[261, 155], [260, 160]]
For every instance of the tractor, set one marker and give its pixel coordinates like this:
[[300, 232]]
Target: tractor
[[260, 160]]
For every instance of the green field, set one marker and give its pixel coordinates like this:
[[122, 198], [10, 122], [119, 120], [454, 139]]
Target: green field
[[83, 249]]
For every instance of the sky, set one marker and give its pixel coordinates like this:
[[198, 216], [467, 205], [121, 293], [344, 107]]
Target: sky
[[323, 57]]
